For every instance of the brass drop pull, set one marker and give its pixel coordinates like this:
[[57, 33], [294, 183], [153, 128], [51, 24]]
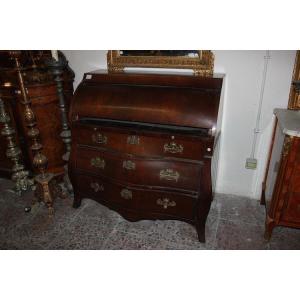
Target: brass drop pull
[[98, 162], [165, 202], [126, 194], [99, 138], [172, 147], [97, 187], [169, 174], [128, 165], [133, 140]]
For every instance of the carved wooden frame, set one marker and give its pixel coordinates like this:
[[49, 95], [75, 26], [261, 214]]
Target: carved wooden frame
[[202, 65], [294, 98]]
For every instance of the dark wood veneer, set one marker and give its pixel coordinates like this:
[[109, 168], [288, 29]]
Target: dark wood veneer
[[142, 144]]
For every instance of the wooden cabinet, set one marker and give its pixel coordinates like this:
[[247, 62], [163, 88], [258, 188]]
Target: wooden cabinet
[[143, 144], [281, 188]]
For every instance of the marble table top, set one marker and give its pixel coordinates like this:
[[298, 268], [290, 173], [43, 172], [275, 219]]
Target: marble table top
[[288, 121]]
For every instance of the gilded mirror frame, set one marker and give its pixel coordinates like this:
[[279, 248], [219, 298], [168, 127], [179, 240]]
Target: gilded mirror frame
[[202, 65], [294, 98]]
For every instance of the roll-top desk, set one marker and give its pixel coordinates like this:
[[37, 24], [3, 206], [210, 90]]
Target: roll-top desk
[[143, 144]]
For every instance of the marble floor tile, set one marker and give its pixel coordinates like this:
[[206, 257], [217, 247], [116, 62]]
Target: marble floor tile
[[88, 230], [235, 235], [284, 238], [94, 209], [167, 245], [233, 223], [5, 184], [80, 238], [147, 228], [120, 240], [43, 229], [241, 209], [182, 233], [215, 208]]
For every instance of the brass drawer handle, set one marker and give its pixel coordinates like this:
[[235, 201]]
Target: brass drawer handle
[[98, 162], [128, 165], [169, 174], [172, 147], [99, 138], [133, 140], [97, 187], [165, 202], [126, 194]]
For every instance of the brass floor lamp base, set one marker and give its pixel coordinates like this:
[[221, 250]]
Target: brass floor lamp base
[[47, 189]]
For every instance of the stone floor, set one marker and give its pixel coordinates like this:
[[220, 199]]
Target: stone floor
[[233, 223]]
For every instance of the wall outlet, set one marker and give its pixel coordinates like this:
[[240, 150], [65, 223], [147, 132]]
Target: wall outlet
[[251, 163]]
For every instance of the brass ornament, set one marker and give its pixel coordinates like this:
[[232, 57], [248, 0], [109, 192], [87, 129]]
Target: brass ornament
[[40, 161], [128, 165], [98, 162], [169, 174], [97, 187], [202, 65], [126, 194], [99, 138], [13, 152], [165, 203], [133, 140], [47, 188], [57, 68], [173, 148]]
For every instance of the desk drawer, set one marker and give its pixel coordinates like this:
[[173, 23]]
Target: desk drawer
[[99, 188], [144, 143], [141, 171], [143, 200]]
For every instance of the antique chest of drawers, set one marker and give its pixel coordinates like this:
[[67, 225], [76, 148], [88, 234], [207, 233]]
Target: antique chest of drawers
[[143, 144], [281, 186]]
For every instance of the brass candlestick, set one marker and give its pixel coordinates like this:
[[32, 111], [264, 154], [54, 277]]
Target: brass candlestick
[[13, 152], [46, 189], [57, 67]]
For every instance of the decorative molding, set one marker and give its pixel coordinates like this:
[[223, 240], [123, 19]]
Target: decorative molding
[[202, 65], [294, 98], [287, 145]]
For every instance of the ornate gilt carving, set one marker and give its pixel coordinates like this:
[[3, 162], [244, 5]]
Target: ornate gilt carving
[[287, 145], [202, 65], [294, 98], [13, 152]]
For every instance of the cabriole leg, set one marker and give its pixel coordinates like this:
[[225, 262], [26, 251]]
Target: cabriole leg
[[77, 201]]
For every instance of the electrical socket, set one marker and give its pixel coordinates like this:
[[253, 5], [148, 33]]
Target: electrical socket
[[251, 163]]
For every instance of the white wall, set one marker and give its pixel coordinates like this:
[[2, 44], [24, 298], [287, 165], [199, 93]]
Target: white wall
[[243, 71]]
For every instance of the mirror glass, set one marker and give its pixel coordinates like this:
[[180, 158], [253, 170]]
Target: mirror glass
[[187, 53]]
